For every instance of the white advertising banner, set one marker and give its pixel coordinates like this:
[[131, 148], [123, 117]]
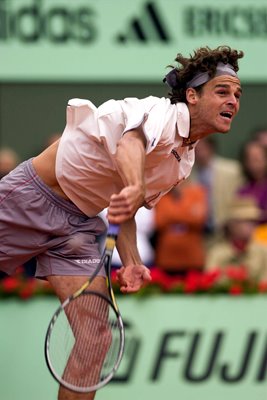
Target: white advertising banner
[[104, 40], [177, 347]]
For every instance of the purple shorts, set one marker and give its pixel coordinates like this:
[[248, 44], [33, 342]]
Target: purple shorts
[[36, 222]]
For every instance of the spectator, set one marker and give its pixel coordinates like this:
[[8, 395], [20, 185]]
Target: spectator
[[254, 166], [8, 160], [221, 178], [260, 135], [238, 248], [180, 217]]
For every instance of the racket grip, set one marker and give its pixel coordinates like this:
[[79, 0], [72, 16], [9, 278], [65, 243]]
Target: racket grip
[[113, 230]]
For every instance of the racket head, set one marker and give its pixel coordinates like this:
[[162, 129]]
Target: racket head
[[85, 342]]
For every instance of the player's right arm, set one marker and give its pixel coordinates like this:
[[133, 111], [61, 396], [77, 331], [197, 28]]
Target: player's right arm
[[133, 274], [130, 161]]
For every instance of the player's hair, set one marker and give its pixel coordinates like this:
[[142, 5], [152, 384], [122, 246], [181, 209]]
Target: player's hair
[[204, 59]]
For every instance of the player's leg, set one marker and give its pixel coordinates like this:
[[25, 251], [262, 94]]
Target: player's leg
[[64, 286], [24, 234]]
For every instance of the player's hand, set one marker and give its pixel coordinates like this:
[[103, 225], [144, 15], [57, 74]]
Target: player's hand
[[132, 278], [124, 205]]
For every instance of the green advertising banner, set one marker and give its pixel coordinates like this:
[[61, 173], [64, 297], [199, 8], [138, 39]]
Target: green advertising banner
[[115, 40], [177, 347]]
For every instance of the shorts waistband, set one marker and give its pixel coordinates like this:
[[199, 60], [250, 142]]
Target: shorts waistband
[[47, 192]]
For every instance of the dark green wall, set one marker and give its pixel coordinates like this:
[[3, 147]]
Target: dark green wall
[[29, 113]]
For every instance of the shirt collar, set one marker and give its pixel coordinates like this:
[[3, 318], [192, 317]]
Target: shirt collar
[[183, 120], [183, 125]]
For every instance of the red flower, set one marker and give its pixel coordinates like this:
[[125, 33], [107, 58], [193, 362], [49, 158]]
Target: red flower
[[236, 273], [159, 277], [113, 276], [28, 289], [235, 290], [208, 279], [10, 284], [192, 282], [262, 287]]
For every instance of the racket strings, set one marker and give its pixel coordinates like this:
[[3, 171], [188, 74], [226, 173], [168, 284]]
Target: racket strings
[[95, 347], [85, 341]]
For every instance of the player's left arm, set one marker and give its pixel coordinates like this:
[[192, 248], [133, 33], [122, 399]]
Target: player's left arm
[[133, 274]]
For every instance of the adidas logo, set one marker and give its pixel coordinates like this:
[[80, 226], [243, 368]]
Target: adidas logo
[[149, 27]]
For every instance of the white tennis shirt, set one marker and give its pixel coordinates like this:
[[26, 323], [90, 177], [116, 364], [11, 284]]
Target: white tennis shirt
[[85, 165]]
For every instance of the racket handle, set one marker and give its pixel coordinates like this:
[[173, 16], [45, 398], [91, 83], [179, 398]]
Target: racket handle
[[113, 230]]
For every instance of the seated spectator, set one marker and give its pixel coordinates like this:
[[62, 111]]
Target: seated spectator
[[237, 247], [254, 167], [260, 234], [8, 160], [221, 177], [180, 217], [260, 135]]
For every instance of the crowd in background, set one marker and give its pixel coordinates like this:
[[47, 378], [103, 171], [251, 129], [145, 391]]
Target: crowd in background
[[215, 219]]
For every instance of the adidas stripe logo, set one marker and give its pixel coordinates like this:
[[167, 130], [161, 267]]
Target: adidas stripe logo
[[149, 27]]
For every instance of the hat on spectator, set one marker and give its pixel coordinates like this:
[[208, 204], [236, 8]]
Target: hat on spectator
[[244, 208]]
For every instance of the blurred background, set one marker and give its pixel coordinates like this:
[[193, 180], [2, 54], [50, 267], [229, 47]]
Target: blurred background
[[200, 330]]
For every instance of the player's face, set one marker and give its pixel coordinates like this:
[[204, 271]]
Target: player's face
[[218, 103]]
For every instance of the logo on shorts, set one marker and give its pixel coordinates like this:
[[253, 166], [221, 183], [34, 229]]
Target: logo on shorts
[[88, 261]]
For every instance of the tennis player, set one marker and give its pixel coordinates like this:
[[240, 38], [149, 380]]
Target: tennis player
[[123, 155]]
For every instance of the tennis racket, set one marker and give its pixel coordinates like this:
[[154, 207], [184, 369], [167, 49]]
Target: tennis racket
[[85, 338]]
